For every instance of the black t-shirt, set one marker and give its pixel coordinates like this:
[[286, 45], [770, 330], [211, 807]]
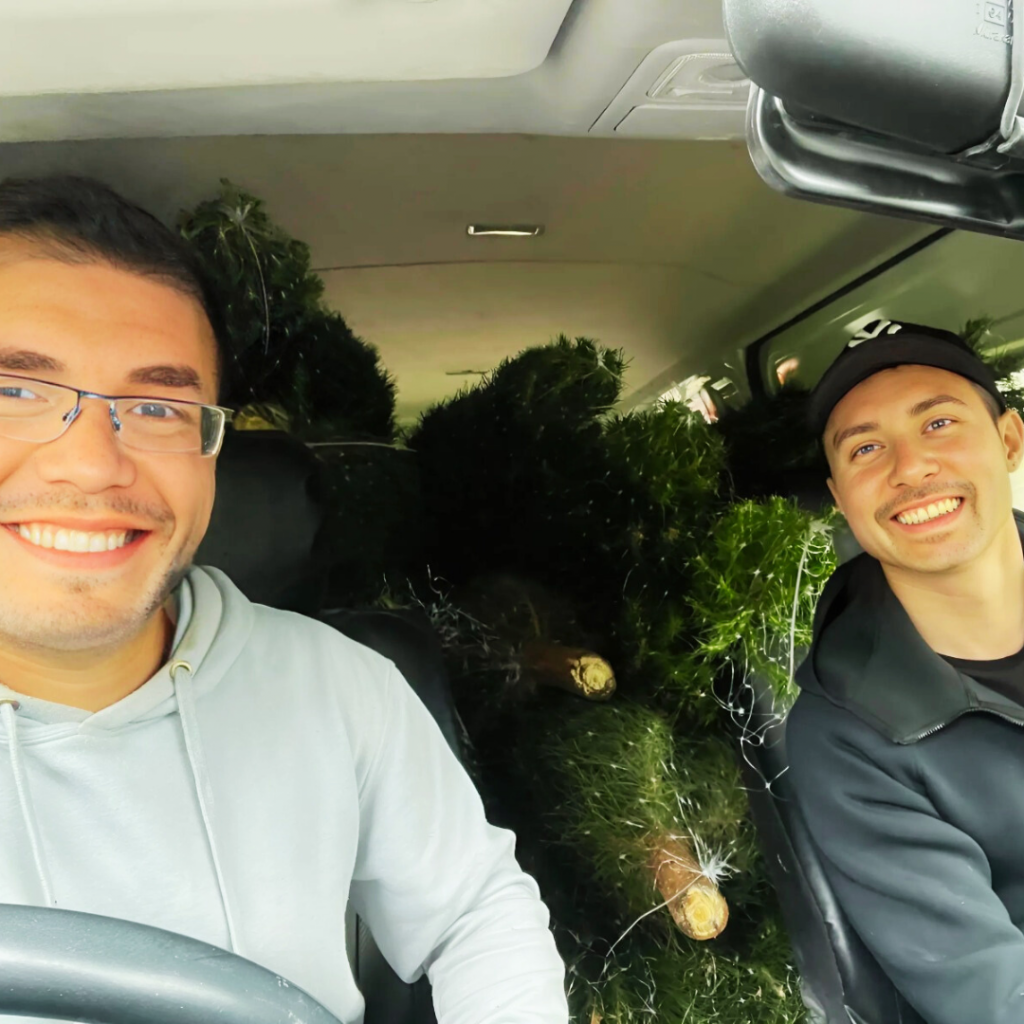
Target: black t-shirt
[[1004, 675]]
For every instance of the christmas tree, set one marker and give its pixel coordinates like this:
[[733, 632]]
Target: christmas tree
[[293, 364], [605, 586], [621, 537]]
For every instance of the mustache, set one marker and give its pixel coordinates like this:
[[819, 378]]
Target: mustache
[[922, 495], [14, 505]]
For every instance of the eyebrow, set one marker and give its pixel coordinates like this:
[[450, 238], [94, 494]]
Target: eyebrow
[[23, 360], [167, 376], [913, 411]]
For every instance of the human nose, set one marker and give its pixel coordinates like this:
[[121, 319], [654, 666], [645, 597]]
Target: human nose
[[912, 465], [88, 454]]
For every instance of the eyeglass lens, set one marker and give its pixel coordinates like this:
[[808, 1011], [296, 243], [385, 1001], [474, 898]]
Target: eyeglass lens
[[40, 412]]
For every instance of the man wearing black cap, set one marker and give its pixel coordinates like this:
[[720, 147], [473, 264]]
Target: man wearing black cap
[[906, 746]]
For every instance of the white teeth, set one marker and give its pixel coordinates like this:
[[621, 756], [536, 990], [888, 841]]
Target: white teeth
[[46, 536], [927, 512]]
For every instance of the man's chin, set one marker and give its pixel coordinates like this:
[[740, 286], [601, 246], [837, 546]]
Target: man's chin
[[66, 634], [928, 559], [86, 615]]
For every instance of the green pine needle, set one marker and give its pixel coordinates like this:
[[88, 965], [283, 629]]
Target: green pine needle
[[683, 982], [285, 346]]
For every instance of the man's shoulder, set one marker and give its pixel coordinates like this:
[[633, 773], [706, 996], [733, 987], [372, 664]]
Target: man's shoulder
[[311, 638], [822, 736], [814, 719], [261, 648]]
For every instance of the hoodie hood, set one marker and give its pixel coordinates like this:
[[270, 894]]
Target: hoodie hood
[[868, 657], [209, 646]]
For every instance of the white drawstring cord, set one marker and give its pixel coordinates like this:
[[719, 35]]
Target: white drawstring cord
[[194, 749], [8, 706]]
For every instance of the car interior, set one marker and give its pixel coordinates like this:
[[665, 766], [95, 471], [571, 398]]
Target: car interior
[[473, 179]]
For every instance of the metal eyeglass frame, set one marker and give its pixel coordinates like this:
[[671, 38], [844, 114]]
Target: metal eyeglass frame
[[69, 417]]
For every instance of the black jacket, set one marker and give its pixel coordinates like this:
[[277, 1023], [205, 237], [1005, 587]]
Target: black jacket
[[911, 778]]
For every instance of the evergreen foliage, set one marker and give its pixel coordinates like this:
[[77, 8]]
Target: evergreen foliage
[[753, 983], [633, 517], [771, 448], [1003, 363], [755, 589], [514, 474], [375, 510], [525, 508], [293, 364], [667, 465], [286, 348], [624, 786], [671, 461]]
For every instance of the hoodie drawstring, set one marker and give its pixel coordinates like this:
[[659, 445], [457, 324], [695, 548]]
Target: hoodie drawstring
[[8, 706], [193, 747]]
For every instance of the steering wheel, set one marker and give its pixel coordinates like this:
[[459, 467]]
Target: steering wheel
[[100, 970]]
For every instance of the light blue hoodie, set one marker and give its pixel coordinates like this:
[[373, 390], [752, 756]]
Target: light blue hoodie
[[269, 774]]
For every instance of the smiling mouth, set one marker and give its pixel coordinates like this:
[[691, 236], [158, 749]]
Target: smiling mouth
[[45, 535], [927, 513]]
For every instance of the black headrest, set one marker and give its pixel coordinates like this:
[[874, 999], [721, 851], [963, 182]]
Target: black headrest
[[265, 520]]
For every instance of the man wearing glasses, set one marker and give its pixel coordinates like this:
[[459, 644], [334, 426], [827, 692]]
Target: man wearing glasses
[[169, 752]]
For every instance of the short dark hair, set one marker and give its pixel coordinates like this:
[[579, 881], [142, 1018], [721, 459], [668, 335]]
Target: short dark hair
[[989, 402], [78, 220]]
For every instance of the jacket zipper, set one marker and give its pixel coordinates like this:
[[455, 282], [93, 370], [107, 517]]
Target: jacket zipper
[[942, 725]]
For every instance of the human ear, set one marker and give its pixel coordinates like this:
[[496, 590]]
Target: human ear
[[1011, 430]]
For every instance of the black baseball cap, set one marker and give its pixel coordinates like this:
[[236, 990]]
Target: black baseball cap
[[883, 344]]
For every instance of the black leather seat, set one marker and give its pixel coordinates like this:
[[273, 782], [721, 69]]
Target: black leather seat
[[842, 982], [263, 534], [265, 520]]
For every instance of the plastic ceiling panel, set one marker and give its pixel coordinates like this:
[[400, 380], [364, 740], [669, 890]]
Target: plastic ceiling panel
[[89, 46], [643, 110]]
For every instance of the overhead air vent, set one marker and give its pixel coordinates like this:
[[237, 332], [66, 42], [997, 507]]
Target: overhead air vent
[[689, 89]]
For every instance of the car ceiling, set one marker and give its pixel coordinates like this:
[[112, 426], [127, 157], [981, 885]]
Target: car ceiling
[[670, 248], [117, 68]]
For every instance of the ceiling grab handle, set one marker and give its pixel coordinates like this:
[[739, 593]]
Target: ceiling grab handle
[[1009, 135], [1011, 126]]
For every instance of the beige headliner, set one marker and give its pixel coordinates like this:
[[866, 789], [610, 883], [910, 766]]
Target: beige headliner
[[674, 251]]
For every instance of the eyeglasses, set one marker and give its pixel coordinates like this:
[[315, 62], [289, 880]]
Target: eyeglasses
[[39, 411]]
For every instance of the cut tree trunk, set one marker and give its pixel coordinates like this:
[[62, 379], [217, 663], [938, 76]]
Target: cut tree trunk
[[696, 905], [569, 668]]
